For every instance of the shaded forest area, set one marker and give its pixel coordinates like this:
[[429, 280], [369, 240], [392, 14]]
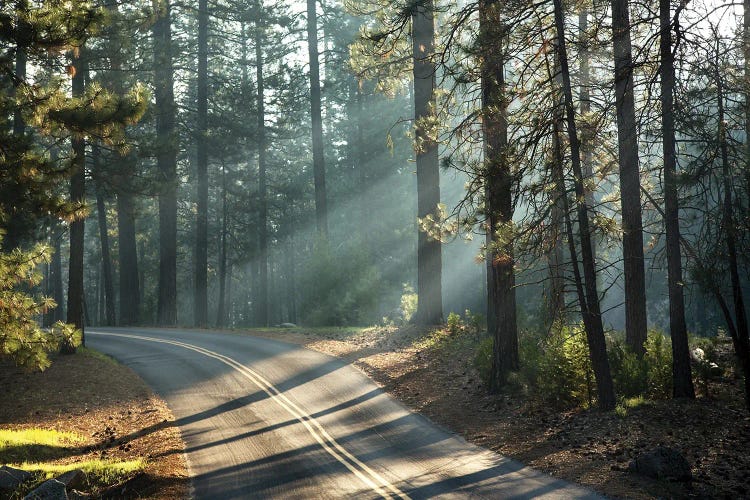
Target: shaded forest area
[[572, 173]]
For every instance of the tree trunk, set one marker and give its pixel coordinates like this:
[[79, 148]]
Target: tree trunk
[[630, 182], [499, 196], [108, 288], [221, 308], [592, 317], [681, 372], [319, 169], [262, 295], [18, 123], [429, 252], [742, 337], [128, 257], [77, 195], [166, 160], [201, 223]]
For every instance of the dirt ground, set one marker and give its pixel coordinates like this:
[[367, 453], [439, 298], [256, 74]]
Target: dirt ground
[[588, 447], [109, 405]]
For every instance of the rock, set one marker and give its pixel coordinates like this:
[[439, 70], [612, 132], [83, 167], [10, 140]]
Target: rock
[[286, 325], [72, 479], [49, 490], [11, 478], [77, 495], [662, 463]]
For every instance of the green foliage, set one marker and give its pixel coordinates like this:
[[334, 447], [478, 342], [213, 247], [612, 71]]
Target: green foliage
[[565, 376], [483, 359], [455, 325], [704, 353], [409, 302], [650, 376], [339, 288], [21, 338]]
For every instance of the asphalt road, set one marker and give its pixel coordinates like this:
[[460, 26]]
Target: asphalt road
[[267, 419]]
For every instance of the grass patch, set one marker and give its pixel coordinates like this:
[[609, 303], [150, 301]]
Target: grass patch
[[42, 437], [35, 444], [98, 472], [625, 404], [97, 355]]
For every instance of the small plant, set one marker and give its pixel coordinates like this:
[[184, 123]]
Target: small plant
[[455, 324], [409, 300], [483, 359], [705, 358]]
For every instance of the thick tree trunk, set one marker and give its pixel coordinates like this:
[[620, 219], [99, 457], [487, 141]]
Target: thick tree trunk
[[319, 168], [166, 160], [681, 372], [128, 257], [77, 195], [201, 224], [262, 294], [499, 197], [18, 123], [107, 282], [429, 252], [630, 181], [590, 308]]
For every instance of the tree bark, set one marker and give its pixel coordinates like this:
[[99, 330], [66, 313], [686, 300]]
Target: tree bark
[[592, 317], [630, 183], [77, 195], [166, 160], [741, 339], [221, 308], [319, 169], [681, 372], [201, 224], [429, 252], [128, 257], [499, 196], [262, 295], [108, 286]]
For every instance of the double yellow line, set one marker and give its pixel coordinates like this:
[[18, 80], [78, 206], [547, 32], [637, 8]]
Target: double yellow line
[[368, 476]]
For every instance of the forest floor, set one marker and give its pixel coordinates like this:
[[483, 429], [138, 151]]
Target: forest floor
[[432, 373], [114, 419]]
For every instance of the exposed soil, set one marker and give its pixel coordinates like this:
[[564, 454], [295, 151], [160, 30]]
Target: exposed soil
[[437, 379], [109, 405]]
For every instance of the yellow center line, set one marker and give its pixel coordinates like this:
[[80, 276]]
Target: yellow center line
[[368, 476]]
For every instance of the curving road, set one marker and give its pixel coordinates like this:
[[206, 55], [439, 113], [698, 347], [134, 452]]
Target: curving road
[[267, 419]]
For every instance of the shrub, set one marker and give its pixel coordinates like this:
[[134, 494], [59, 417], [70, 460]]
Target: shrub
[[455, 325], [650, 376], [483, 359], [409, 302], [658, 360]]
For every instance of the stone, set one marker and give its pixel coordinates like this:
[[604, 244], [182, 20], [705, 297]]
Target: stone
[[662, 463], [11, 478], [49, 490], [287, 325], [72, 479]]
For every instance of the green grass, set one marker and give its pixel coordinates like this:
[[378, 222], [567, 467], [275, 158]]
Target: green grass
[[97, 355], [97, 471], [626, 404], [41, 437]]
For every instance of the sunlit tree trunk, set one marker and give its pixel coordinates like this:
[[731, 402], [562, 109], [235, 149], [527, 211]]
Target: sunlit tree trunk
[[77, 195], [590, 309], [499, 196], [201, 223], [630, 182], [681, 372], [319, 168], [166, 160], [221, 308], [262, 295], [429, 256]]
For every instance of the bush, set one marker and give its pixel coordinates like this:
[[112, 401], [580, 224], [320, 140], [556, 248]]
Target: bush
[[483, 359], [650, 376]]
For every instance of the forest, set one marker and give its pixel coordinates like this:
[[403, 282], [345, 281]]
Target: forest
[[570, 172]]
